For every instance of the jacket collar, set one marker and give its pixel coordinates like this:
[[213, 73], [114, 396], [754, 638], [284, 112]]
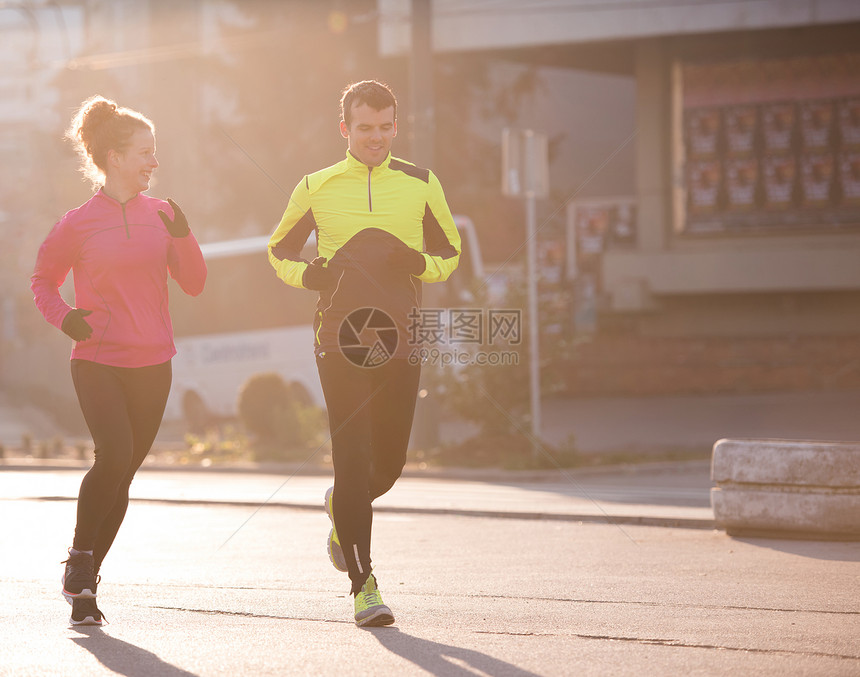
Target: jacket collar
[[353, 162], [104, 196]]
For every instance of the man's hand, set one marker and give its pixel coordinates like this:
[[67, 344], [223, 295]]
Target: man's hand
[[179, 226], [407, 260], [317, 276], [75, 326]]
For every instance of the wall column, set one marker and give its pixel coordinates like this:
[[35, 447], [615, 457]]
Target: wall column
[[653, 124]]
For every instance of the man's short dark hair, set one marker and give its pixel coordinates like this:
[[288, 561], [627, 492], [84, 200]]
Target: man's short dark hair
[[375, 94]]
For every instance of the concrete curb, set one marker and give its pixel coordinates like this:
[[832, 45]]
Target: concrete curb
[[590, 518], [787, 487], [450, 472]]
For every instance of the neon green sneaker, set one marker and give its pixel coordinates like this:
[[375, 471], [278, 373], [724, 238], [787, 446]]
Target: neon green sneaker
[[369, 608], [335, 552]]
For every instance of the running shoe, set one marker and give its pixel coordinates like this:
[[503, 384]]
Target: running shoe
[[335, 552], [95, 591], [79, 581], [85, 612], [370, 611]]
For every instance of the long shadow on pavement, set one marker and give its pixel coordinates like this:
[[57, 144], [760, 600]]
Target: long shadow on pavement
[[833, 550], [124, 658], [441, 659]]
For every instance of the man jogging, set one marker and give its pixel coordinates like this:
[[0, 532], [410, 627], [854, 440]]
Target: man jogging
[[383, 227]]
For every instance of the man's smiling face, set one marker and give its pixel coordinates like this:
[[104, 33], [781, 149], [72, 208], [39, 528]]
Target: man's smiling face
[[370, 133]]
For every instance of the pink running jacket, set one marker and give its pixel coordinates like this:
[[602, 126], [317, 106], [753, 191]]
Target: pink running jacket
[[120, 255]]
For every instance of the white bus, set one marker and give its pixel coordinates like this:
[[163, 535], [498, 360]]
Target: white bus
[[247, 321]]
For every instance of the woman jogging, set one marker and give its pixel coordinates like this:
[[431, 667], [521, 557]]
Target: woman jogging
[[120, 246]]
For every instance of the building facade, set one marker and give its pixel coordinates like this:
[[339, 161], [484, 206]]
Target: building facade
[[734, 264]]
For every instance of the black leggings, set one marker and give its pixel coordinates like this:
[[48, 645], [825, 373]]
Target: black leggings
[[370, 414], [123, 408]]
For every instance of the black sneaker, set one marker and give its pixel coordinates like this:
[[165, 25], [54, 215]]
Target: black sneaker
[[79, 581], [85, 612]]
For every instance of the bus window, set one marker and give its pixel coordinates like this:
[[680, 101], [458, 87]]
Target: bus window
[[242, 293]]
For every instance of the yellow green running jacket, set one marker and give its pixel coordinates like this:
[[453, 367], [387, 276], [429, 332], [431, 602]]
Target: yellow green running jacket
[[362, 216]]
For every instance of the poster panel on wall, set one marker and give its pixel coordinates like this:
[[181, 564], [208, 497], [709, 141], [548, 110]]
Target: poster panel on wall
[[703, 187], [778, 127], [817, 174], [592, 226], [849, 178], [702, 131], [779, 182], [741, 124], [816, 125], [848, 120], [741, 184]]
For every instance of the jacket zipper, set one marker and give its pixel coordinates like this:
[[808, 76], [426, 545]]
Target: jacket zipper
[[125, 221], [369, 197]]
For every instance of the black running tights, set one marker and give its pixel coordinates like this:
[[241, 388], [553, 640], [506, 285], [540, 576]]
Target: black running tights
[[123, 408], [370, 413]]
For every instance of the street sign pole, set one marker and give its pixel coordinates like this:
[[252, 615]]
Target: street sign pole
[[525, 174]]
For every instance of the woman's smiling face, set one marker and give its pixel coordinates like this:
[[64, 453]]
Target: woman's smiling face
[[136, 162]]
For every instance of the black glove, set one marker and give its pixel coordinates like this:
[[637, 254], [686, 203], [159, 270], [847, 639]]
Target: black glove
[[318, 277], [75, 326], [179, 226], [407, 260]]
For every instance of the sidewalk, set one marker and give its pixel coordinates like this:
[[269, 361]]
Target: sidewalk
[[631, 423], [655, 494]]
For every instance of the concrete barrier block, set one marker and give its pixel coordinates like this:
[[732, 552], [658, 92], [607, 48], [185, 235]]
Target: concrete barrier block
[[787, 487], [791, 462], [781, 513]]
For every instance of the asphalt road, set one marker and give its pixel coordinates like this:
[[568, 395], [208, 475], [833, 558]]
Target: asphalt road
[[210, 589]]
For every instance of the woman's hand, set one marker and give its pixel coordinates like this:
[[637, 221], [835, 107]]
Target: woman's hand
[[75, 326], [178, 227]]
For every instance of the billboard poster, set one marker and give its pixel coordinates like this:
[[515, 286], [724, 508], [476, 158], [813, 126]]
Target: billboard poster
[[592, 226], [817, 173], [848, 120], [741, 127], [779, 178], [741, 184], [703, 187], [849, 178], [623, 224], [778, 127], [816, 125], [703, 133], [585, 303]]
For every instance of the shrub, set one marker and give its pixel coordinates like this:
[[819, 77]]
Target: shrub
[[497, 396], [280, 416]]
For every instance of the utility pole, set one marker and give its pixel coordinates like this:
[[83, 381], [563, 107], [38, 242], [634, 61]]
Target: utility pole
[[422, 127]]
